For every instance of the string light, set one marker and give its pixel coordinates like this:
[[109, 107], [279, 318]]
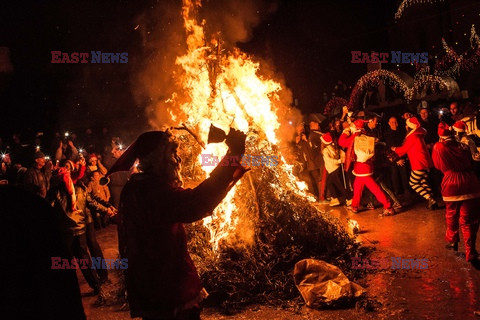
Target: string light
[[333, 104], [452, 63], [371, 79], [423, 80], [407, 3], [474, 38], [445, 70], [421, 84]]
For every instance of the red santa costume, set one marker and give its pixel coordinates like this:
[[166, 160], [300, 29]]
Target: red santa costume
[[64, 173], [420, 161], [460, 190], [362, 168]]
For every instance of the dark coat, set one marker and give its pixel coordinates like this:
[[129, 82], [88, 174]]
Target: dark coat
[[72, 222], [31, 237], [431, 126], [310, 151], [117, 182], [161, 275], [37, 181], [394, 138]]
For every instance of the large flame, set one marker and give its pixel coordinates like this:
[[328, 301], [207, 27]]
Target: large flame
[[225, 89]]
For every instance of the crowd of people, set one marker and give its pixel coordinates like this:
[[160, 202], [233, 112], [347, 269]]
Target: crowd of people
[[141, 190], [430, 155], [70, 181], [340, 159]]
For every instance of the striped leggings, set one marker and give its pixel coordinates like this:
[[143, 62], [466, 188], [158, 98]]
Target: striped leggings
[[418, 182]]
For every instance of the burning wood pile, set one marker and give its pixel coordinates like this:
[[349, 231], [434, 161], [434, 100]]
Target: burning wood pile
[[246, 251], [275, 227]]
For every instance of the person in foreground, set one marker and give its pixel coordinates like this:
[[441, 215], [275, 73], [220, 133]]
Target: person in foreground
[[460, 191], [161, 279]]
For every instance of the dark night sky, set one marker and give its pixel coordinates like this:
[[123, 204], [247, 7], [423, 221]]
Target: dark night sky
[[308, 41]]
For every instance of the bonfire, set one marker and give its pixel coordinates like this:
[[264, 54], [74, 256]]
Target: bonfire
[[245, 252]]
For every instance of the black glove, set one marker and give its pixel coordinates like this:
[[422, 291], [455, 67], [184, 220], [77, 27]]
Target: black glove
[[236, 141]]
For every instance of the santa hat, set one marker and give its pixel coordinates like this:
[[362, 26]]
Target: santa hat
[[444, 130], [459, 126], [413, 123], [70, 162], [326, 138], [407, 115], [145, 144], [358, 125]]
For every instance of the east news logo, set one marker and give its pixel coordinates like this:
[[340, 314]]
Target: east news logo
[[397, 57], [92, 57]]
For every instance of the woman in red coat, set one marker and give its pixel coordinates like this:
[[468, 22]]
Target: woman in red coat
[[420, 161], [460, 191], [161, 279]]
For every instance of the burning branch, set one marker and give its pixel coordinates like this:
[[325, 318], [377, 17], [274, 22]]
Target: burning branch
[[184, 127]]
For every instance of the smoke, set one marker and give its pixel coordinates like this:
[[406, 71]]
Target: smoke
[[164, 39], [235, 19]]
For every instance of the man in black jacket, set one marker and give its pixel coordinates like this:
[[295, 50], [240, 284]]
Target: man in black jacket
[[37, 177], [311, 149]]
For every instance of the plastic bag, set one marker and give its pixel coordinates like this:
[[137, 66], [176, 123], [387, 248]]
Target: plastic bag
[[321, 283]]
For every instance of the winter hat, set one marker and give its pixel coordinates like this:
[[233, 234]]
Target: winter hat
[[459, 126], [444, 130], [71, 164], [413, 123], [358, 125], [145, 144], [407, 115], [326, 138]]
